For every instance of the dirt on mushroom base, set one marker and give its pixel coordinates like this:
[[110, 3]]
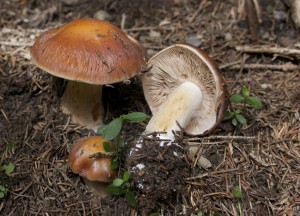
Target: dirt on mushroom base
[[158, 169]]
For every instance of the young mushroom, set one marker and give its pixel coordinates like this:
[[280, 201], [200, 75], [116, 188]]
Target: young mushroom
[[84, 159], [89, 53], [184, 89]]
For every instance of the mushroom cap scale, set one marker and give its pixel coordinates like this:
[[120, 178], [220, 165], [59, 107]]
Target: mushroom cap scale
[[94, 169], [180, 63], [89, 50]]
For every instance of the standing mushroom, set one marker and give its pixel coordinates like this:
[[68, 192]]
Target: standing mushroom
[[184, 89], [89, 53]]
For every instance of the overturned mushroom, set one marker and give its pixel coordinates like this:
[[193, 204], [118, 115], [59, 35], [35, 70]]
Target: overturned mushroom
[[89, 53], [184, 89], [84, 159]]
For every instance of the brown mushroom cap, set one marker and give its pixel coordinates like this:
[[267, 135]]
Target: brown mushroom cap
[[89, 50], [177, 64], [94, 169]]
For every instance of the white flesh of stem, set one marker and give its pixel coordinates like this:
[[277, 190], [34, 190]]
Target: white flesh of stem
[[178, 108], [84, 103]]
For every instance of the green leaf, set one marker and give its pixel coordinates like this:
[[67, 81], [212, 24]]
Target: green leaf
[[126, 176], [135, 117], [3, 191], [2, 188], [154, 214], [238, 111], [118, 182], [117, 191], [228, 115], [101, 130], [237, 193], [241, 119], [234, 121], [245, 91], [200, 214], [255, 102], [236, 98], [130, 198], [114, 163], [108, 147], [9, 168], [111, 130], [121, 143]]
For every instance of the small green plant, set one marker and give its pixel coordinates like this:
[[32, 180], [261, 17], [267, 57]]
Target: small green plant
[[7, 168], [3, 191], [242, 100], [121, 186], [111, 131], [200, 213], [237, 193]]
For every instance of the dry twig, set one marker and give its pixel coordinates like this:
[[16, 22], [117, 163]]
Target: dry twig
[[269, 50], [283, 67], [211, 174]]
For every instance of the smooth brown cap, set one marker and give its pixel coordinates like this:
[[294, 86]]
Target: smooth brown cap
[[177, 64], [94, 169], [89, 50]]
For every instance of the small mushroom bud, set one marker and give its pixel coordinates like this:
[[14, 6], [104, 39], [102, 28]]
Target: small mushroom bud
[[89, 159]]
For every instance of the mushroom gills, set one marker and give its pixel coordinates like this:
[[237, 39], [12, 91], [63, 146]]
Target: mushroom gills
[[176, 111]]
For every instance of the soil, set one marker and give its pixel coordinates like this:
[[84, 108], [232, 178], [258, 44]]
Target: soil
[[255, 167]]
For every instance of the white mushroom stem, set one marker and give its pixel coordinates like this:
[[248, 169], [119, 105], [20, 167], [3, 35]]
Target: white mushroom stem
[[176, 111], [83, 102]]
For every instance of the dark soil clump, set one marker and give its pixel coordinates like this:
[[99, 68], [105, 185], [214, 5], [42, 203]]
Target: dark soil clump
[[158, 171]]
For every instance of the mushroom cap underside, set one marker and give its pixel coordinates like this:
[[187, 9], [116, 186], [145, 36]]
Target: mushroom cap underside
[[177, 64]]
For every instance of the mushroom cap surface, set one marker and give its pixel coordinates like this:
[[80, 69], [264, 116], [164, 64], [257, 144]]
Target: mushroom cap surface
[[89, 50], [177, 64], [94, 169]]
